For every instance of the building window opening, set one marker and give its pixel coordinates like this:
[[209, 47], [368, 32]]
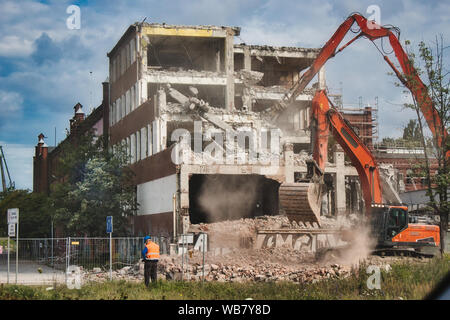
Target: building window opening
[[217, 197]]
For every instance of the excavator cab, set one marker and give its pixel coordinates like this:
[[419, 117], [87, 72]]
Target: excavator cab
[[390, 225], [387, 222]]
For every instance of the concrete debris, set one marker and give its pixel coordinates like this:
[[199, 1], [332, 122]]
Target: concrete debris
[[237, 269], [267, 48], [181, 72], [280, 89], [301, 158], [250, 78], [263, 265]]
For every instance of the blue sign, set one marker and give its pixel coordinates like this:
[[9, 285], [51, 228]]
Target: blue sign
[[109, 224]]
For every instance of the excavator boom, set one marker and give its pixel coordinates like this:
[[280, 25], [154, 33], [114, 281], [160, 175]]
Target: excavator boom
[[361, 157], [409, 77]]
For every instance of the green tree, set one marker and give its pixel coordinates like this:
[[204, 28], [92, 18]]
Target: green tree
[[410, 139], [412, 131], [34, 213], [94, 183]]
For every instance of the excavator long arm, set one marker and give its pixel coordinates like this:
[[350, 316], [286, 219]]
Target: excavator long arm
[[409, 77], [326, 118], [299, 200]]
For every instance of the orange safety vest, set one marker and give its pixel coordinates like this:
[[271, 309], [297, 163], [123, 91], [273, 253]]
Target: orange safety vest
[[152, 251]]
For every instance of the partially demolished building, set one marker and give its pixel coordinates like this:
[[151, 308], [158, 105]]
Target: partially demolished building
[[181, 99]]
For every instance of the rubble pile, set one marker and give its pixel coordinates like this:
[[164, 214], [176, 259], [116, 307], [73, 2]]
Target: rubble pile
[[240, 266], [237, 266], [230, 259], [279, 264], [235, 233]]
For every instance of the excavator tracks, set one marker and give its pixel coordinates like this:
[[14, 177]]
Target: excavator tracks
[[301, 201]]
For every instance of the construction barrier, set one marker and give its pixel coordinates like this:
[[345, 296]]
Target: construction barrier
[[45, 260]]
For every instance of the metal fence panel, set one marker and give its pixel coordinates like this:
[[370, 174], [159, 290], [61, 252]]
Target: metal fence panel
[[45, 260]]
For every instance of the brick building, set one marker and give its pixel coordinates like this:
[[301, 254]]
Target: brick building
[[407, 162], [403, 159], [45, 160]]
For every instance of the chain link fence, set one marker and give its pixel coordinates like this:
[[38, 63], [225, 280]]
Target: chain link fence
[[45, 260]]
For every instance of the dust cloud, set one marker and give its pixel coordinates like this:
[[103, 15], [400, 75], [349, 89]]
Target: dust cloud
[[358, 239], [360, 246], [227, 198]]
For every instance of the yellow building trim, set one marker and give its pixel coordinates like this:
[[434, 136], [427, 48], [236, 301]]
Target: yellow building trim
[[178, 32]]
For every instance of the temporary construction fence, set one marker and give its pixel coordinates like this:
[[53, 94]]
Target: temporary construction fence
[[45, 260]]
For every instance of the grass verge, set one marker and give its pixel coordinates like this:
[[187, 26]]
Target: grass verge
[[403, 281]]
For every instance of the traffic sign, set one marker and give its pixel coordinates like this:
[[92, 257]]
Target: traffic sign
[[11, 230], [13, 215], [109, 224]]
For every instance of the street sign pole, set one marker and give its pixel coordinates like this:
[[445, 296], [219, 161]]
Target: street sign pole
[[109, 229], [13, 220], [8, 260], [17, 246], [51, 233], [110, 256]]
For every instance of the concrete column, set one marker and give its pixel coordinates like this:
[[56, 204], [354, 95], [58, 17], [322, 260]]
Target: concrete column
[[339, 182], [321, 78], [149, 140], [301, 114], [218, 54], [247, 59], [144, 143], [127, 102], [138, 145], [142, 52], [229, 70], [133, 147], [156, 136], [296, 119], [161, 102], [246, 96], [246, 99], [289, 162], [163, 133]]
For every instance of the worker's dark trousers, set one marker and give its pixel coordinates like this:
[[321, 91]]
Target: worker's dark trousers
[[150, 268]]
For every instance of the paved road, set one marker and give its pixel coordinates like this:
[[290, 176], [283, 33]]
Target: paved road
[[28, 272]]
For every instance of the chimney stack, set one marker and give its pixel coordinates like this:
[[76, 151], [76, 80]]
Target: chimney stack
[[40, 166], [77, 118]]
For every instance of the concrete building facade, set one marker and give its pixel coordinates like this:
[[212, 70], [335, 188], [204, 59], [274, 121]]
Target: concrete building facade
[[153, 67], [173, 95]]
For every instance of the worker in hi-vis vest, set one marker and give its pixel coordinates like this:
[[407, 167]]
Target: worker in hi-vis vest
[[150, 255]]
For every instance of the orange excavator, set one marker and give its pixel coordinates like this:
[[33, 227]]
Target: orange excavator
[[301, 200], [389, 222]]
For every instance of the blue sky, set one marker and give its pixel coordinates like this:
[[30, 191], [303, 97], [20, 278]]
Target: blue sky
[[45, 68]]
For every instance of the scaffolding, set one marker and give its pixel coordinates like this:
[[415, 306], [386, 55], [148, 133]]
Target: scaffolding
[[362, 117]]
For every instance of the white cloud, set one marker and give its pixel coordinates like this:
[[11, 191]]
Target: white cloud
[[10, 103], [13, 46]]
